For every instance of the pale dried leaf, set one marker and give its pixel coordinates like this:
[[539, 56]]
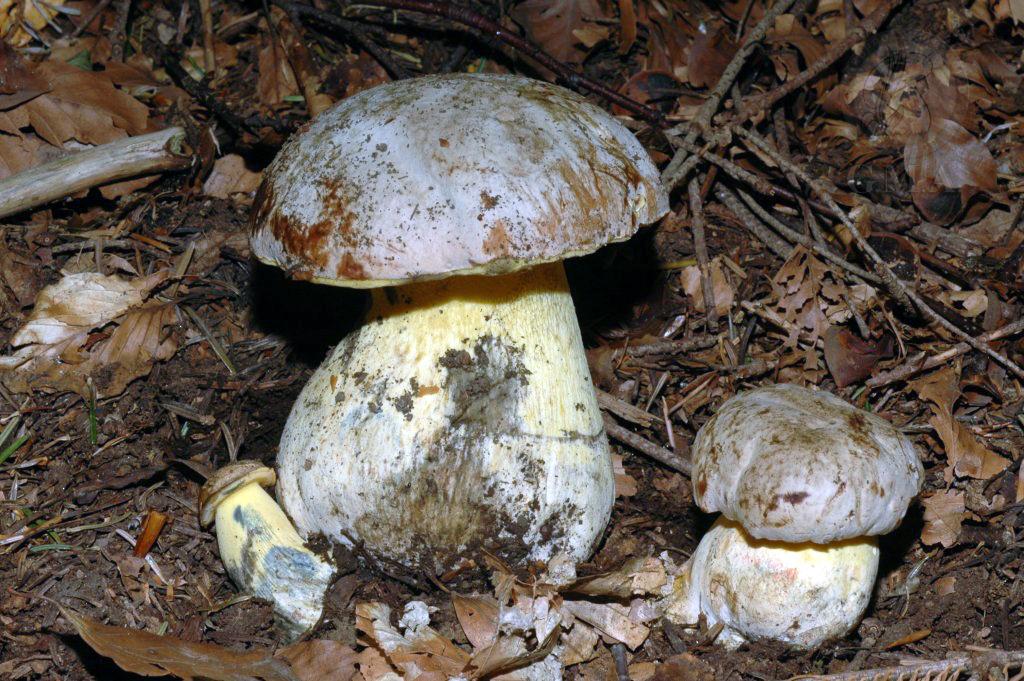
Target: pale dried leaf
[[625, 484], [231, 177], [638, 576], [276, 78], [53, 346], [965, 454], [692, 282], [141, 652], [610, 620], [580, 644], [949, 156], [320, 660], [418, 651], [478, 616], [551, 24], [943, 514]]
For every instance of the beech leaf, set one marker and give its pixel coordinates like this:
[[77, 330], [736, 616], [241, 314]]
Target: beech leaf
[[552, 23], [147, 654], [56, 347], [943, 514]]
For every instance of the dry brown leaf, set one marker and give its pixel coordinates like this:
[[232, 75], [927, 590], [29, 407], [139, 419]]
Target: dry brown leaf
[[610, 619], [478, 616], [710, 52], [965, 454], [320, 660], [625, 484], [723, 291], [684, 666], [944, 586], [141, 652], [230, 177], [276, 78], [420, 650], [580, 644], [55, 349], [943, 514], [638, 576], [18, 82], [851, 359], [950, 157], [551, 24], [627, 22]]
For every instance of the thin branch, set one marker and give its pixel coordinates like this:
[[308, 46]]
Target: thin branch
[[700, 247], [118, 160], [767, 100], [920, 363], [750, 221], [486, 27], [351, 29], [903, 295], [672, 175], [664, 456], [978, 661]]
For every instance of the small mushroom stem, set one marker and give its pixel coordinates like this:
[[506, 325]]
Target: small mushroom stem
[[266, 558], [802, 594], [459, 418]]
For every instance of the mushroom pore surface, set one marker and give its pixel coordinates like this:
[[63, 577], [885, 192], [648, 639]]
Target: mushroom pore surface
[[793, 464], [459, 417]]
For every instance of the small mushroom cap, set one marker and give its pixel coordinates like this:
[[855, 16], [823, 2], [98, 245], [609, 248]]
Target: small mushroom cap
[[451, 174], [226, 480], [794, 465]]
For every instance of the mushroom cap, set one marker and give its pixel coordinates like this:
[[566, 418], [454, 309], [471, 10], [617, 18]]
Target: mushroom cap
[[451, 174], [801, 594], [793, 464], [226, 480]]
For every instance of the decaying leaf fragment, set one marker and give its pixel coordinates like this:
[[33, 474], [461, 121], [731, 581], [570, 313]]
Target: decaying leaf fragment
[[90, 325], [141, 652], [943, 514], [965, 454]]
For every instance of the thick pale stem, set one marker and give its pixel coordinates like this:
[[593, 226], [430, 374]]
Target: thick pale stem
[[265, 557], [802, 594], [459, 418]]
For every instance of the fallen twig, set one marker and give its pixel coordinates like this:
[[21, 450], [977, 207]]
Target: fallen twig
[[700, 247], [903, 295], [486, 27], [672, 174], [977, 661], [775, 244], [923, 363], [664, 456], [668, 347], [858, 34], [130, 157]]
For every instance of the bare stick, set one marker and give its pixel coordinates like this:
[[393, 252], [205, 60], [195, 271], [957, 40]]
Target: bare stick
[[671, 175], [302, 64], [700, 246], [668, 347], [209, 56], [750, 221], [666, 457], [119, 34], [129, 157], [981, 662], [806, 241], [857, 35], [908, 369], [903, 295]]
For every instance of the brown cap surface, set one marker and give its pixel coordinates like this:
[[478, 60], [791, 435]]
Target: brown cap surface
[[226, 480], [451, 174]]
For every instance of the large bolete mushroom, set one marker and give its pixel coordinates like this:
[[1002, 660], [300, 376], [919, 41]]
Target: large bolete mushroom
[[461, 416], [804, 481]]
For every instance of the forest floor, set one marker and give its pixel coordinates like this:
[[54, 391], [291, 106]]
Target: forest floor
[[886, 139]]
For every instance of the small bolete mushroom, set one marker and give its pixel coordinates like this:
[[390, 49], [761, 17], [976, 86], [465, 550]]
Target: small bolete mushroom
[[804, 481], [262, 552], [461, 416]]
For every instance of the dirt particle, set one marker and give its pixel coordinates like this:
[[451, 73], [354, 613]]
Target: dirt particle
[[795, 498]]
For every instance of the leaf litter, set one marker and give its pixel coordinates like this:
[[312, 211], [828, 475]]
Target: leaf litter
[[915, 132]]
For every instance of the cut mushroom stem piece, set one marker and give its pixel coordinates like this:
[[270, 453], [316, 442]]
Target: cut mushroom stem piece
[[263, 554], [801, 594]]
